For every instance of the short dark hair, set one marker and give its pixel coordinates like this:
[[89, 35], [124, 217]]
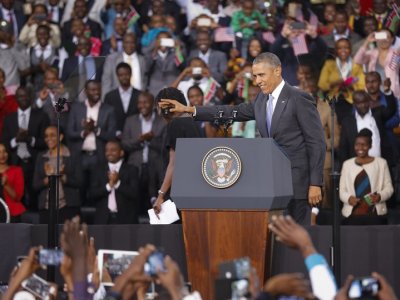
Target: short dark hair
[[147, 95], [171, 93], [361, 94], [117, 142], [268, 58], [365, 133], [374, 73], [91, 81], [195, 87], [45, 27], [123, 65]]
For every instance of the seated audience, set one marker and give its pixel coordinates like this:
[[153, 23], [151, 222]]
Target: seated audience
[[11, 186], [114, 188], [69, 181], [365, 185]]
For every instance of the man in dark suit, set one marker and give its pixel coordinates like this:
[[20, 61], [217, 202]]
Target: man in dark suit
[[24, 134], [124, 98], [90, 126], [14, 16], [55, 11], [142, 141], [290, 117], [114, 188], [215, 60], [81, 12]]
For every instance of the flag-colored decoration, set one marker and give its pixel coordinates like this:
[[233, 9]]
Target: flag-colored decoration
[[179, 59], [210, 91], [132, 17], [393, 19], [299, 44], [269, 37], [224, 34]]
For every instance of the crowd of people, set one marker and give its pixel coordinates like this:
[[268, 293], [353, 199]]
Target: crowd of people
[[110, 59], [84, 279]]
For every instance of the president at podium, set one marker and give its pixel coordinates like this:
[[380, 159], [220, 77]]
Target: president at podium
[[290, 117]]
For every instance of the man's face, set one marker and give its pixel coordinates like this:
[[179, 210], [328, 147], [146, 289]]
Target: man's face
[[253, 92], [369, 26], [340, 23], [195, 97], [203, 42], [23, 99], [113, 152], [124, 77], [119, 6], [361, 104], [267, 77], [42, 37], [84, 46], [372, 83], [80, 9], [50, 78], [158, 7], [145, 105], [379, 6], [119, 26], [129, 43], [248, 7], [329, 13], [93, 92]]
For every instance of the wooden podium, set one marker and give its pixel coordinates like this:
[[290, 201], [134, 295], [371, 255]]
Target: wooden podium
[[225, 224]]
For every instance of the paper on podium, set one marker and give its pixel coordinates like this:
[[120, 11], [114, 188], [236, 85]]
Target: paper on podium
[[167, 215]]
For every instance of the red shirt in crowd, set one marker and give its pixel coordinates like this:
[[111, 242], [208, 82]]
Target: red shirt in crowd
[[8, 105], [15, 179]]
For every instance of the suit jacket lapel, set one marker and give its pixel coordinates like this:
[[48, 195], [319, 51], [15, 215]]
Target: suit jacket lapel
[[260, 112], [279, 107], [132, 108]]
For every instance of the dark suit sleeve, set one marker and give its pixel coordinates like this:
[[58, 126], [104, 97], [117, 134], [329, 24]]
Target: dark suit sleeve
[[74, 127], [245, 112], [129, 142], [43, 122], [129, 184], [391, 108], [311, 127], [39, 175], [221, 67], [107, 131], [343, 150], [98, 190], [7, 135], [73, 172]]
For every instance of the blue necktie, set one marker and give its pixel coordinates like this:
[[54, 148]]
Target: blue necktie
[[270, 112]]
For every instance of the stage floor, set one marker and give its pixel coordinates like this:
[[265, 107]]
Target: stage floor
[[364, 248]]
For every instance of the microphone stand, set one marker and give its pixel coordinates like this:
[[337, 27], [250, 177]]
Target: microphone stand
[[335, 248], [54, 194]]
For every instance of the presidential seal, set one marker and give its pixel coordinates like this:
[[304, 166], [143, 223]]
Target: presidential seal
[[221, 167]]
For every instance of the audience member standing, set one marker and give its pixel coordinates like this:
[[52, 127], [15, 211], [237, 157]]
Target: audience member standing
[[91, 125], [114, 188], [123, 99], [25, 137], [142, 142]]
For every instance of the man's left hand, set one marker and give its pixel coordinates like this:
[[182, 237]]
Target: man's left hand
[[314, 195]]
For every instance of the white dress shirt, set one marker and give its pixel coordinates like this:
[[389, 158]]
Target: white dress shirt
[[112, 200], [39, 51], [133, 61], [147, 125], [205, 57], [368, 121], [125, 97], [275, 94], [92, 112]]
